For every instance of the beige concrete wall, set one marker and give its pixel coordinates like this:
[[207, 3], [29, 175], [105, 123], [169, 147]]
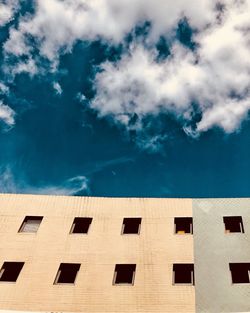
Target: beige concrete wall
[[154, 251]]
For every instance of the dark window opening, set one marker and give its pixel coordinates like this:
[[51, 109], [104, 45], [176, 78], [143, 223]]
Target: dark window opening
[[10, 271], [131, 225], [233, 224], [183, 274], [67, 273], [240, 273], [124, 274], [183, 225], [30, 224], [81, 225]]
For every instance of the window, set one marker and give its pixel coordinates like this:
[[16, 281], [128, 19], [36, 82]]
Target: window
[[131, 225], [81, 225], [183, 225], [240, 272], [233, 224], [124, 274], [10, 271], [30, 224], [183, 274], [67, 273]]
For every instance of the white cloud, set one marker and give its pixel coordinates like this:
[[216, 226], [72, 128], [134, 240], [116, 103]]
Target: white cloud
[[3, 88], [216, 76], [29, 66], [16, 44], [7, 114], [57, 87], [81, 97], [7, 11], [57, 24]]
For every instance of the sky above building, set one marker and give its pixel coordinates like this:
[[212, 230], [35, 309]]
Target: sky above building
[[125, 98]]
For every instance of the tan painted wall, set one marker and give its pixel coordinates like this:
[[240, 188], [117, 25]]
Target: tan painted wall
[[154, 251]]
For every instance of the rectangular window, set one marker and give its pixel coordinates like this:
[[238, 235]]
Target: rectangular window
[[30, 224], [10, 271], [233, 224], [131, 225], [183, 225], [183, 274], [124, 274], [67, 273], [240, 273], [81, 225]]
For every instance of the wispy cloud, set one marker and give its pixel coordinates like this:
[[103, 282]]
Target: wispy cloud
[[9, 183], [3, 88], [57, 87], [12, 181], [102, 165], [73, 186], [7, 114], [81, 97], [7, 180]]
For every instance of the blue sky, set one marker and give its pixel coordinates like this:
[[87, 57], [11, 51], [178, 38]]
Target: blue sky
[[127, 98]]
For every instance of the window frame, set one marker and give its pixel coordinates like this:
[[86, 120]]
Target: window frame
[[3, 269], [25, 222], [73, 225], [59, 272], [123, 284], [183, 284], [241, 225], [248, 273], [123, 226], [191, 225]]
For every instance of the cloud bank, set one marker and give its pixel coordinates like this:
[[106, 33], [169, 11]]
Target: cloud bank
[[59, 24], [212, 79]]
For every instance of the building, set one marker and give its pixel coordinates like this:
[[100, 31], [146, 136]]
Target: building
[[96, 255]]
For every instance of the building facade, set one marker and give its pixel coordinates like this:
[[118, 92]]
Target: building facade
[[96, 255]]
